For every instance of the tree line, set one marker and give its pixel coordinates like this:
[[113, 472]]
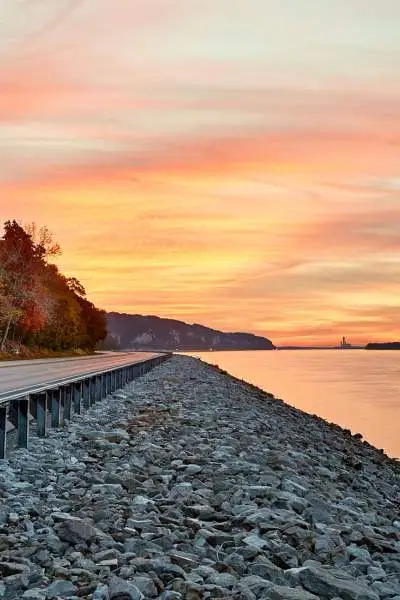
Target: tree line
[[39, 306]]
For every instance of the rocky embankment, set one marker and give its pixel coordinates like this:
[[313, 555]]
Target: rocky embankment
[[189, 484]]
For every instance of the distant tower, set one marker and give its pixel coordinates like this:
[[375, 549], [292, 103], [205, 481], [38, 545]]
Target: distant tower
[[344, 343]]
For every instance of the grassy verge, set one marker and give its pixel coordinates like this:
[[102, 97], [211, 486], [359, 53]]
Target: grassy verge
[[31, 353]]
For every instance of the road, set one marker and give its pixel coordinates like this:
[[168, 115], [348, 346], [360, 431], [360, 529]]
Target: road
[[21, 377]]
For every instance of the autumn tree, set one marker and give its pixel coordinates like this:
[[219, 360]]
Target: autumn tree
[[41, 305], [20, 262]]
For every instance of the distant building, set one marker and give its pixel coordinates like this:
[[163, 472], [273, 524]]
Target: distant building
[[344, 343]]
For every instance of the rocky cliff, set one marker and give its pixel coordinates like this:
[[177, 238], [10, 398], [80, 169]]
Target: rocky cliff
[[148, 332]]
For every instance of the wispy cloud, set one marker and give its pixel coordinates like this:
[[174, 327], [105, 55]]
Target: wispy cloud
[[206, 161]]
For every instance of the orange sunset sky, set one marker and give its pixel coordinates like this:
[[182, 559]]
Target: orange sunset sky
[[234, 163]]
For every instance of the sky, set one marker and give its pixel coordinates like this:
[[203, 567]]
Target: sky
[[234, 163]]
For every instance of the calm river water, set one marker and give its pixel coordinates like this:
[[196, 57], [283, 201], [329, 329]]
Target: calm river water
[[357, 389]]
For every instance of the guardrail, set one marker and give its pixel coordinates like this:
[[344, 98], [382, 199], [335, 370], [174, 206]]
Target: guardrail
[[62, 397]]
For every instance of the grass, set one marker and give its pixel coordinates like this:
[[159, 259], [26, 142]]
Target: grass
[[26, 353]]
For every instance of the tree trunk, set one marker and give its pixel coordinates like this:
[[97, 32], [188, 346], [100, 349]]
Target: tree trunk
[[5, 335]]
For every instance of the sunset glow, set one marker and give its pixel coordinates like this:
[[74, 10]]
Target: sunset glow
[[234, 163]]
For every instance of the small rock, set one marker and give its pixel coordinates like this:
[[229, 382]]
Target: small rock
[[101, 593], [60, 589], [123, 590], [287, 593]]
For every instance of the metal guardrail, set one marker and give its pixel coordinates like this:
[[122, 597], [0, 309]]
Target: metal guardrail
[[61, 397]]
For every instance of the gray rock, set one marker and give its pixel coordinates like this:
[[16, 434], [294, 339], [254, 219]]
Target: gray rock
[[255, 541], [256, 585], [259, 491], [124, 590], [75, 530], [116, 436], [376, 574], [107, 488], [287, 593], [330, 582], [266, 569], [193, 469], [146, 586], [223, 580], [4, 514], [386, 589], [34, 594], [11, 568], [60, 589]]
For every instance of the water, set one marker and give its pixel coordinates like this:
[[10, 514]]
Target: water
[[357, 389]]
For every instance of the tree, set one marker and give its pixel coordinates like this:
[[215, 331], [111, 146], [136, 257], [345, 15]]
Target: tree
[[38, 304], [76, 287], [43, 240], [22, 264]]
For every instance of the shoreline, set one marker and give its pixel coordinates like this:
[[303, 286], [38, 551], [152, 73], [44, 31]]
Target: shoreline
[[357, 438], [190, 483]]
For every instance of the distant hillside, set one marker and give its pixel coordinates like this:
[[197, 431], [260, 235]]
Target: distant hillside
[[148, 332], [383, 346]]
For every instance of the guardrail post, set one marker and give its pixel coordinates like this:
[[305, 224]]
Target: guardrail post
[[33, 406], [86, 393], [41, 411], [3, 431], [99, 388], [62, 404], [13, 413], [92, 397], [23, 422], [55, 407], [77, 396], [67, 402]]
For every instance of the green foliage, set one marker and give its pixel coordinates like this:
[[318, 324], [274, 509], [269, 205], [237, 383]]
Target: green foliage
[[39, 306]]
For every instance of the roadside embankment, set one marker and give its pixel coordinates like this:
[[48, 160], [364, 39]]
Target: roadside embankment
[[189, 484], [25, 353]]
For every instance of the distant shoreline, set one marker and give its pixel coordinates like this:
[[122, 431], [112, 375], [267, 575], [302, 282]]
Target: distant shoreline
[[383, 346]]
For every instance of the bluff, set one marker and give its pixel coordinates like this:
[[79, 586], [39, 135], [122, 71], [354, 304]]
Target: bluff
[[149, 332]]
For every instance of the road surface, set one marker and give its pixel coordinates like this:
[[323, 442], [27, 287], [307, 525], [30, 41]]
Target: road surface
[[20, 377]]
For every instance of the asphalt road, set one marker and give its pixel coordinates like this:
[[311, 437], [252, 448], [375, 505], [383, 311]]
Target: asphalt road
[[19, 377]]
